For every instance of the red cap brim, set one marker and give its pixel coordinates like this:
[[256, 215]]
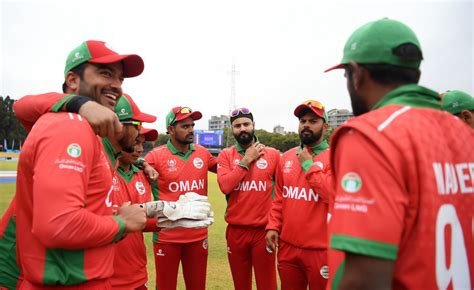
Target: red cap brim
[[144, 117], [133, 64], [334, 67], [150, 134], [196, 115]]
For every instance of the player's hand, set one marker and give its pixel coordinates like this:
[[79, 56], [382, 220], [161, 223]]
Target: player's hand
[[271, 238], [253, 153], [150, 172], [189, 206], [103, 120], [304, 155], [165, 223], [133, 216]]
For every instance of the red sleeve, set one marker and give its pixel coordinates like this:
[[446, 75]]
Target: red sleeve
[[30, 108], [370, 202], [150, 158], [228, 177], [321, 181], [60, 219], [212, 162], [151, 225], [275, 216]]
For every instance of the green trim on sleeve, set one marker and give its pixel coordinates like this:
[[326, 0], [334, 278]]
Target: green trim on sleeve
[[241, 164], [57, 107], [121, 224], [306, 165], [364, 247]]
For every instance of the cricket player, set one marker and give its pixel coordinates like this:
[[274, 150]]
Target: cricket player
[[297, 223], [182, 167], [460, 104], [245, 175], [9, 269], [404, 173]]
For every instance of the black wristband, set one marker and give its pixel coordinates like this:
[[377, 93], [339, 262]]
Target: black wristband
[[75, 103], [140, 162]]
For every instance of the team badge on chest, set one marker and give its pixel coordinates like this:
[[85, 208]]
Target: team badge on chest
[[262, 163], [171, 165], [288, 166], [140, 187], [198, 163]]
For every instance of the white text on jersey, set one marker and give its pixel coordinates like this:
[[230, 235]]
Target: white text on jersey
[[454, 178], [186, 185], [297, 193], [251, 185]]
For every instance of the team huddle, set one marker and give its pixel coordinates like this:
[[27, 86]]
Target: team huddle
[[386, 204]]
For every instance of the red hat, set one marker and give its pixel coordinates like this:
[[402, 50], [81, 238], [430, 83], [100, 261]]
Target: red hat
[[314, 106], [94, 51], [180, 113], [126, 109], [150, 134]]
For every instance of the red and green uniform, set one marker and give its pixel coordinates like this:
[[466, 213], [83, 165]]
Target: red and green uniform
[[299, 213], [9, 269], [411, 199], [65, 230], [249, 192], [178, 173], [130, 271]]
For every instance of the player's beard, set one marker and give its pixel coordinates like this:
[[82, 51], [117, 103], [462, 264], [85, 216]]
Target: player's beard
[[312, 138], [359, 106], [245, 138], [127, 142], [188, 139]]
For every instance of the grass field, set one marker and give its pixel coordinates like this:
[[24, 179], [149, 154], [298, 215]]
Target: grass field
[[218, 272]]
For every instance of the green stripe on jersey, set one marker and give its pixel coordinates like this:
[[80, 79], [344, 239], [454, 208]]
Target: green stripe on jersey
[[57, 107], [338, 276], [364, 247], [64, 267], [9, 270]]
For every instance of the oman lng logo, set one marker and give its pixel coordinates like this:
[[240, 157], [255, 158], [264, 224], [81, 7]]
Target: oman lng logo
[[74, 150], [198, 163], [351, 182], [140, 187], [262, 163]]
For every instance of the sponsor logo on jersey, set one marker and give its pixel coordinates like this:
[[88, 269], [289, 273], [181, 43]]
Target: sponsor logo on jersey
[[288, 166], [251, 185], [108, 203], [71, 164], [198, 163], [454, 178], [262, 163], [236, 161], [351, 182], [74, 150], [205, 244], [324, 271], [228, 250], [305, 194], [171, 165], [140, 187], [319, 164], [160, 253], [115, 183], [186, 185]]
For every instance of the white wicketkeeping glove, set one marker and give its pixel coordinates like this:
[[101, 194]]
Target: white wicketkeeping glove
[[166, 224], [189, 206]]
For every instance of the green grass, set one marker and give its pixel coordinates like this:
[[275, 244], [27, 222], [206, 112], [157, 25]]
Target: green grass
[[218, 271]]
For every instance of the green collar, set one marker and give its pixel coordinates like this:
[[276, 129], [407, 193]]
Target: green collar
[[109, 150], [412, 96], [182, 155], [240, 149], [127, 175], [323, 145]]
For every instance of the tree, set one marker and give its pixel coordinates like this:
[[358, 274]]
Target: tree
[[10, 128]]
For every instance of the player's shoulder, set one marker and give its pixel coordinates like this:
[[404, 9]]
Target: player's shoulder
[[290, 152], [272, 151], [64, 123]]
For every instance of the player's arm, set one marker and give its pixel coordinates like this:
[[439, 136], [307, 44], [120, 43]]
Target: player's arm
[[60, 219], [369, 209], [227, 176], [275, 216], [320, 180], [212, 162]]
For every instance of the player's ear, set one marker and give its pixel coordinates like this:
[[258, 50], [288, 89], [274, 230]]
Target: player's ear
[[358, 75], [72, 81]]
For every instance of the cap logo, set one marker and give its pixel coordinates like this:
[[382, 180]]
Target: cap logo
[[354, 46], [351, 182], [77, 56], [74, 150], [455, 104]]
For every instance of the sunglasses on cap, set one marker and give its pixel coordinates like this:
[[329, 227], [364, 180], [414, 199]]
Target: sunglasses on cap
[[183, 111], [314, 104], [236, 112], [137, 124]]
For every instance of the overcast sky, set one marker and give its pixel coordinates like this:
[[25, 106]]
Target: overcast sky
[[279, 48]]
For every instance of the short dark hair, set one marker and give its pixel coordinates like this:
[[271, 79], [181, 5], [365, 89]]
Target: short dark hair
[[387, 74], [78, 70]]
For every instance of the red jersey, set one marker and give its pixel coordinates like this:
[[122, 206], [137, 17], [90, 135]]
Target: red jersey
[[298, 212], [179, 173], [65, 230], [411, 199], [130, 253], [9, 269], [249, 191]]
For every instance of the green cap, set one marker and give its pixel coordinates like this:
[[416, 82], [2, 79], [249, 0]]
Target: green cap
[[374, 43], [180, 113], [456, 101], [127, 109]]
